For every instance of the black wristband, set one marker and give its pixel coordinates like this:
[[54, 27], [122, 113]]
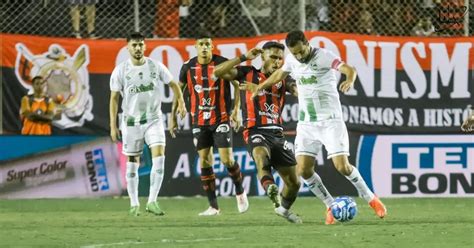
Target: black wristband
[[243, 58]]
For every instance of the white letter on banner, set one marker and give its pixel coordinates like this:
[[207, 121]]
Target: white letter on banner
[[458, 64], [182, 166], [122, 55], [173, 63], [326, 44], [388, 69], [230, 50], [191, 51], [413, 118], [413, 70], [365, 69]]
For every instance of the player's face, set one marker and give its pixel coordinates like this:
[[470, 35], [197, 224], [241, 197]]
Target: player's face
[[301, 51], [204, 47], [38, 85], [136, 48], [272, 59]]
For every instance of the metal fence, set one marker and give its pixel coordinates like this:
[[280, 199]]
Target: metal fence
[[234, 18]]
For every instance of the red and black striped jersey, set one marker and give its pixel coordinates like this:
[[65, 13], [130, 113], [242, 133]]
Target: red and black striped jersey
[[210, 99], [265, 109]]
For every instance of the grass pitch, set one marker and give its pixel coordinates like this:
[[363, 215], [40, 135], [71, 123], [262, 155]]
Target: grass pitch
[[104, 223]]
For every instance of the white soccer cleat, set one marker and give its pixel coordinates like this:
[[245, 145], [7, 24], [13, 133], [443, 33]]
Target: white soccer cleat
[[288, 215], [210, 212], [242, 202]]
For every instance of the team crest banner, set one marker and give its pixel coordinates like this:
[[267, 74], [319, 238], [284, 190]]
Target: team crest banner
[[404, 85]]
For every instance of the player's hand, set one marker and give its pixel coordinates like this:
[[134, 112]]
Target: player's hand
[[114, 134], [253, 53], [173, 126], [235, 120], [181, 110], [468, 124], [345, 86], [248, 86]]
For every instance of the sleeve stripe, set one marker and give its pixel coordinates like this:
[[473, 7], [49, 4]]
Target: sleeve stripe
[[336, 63]]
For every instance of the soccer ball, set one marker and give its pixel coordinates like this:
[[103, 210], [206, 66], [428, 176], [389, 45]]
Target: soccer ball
[[344, 208]]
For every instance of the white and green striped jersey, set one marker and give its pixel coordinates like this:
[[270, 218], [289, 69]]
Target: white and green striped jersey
[[317, 85], [140, 89]]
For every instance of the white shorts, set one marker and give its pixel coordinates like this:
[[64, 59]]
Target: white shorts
[[330, 133], [133, 137]]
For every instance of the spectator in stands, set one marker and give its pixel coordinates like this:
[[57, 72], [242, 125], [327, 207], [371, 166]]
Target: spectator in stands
[[167, 18], [468, 124], [365, 22], [37, 110], [317, 16], [424, 27], [76, 7]]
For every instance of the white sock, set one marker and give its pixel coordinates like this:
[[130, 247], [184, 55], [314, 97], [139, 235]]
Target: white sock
[[360, 185], [316, 186], [156, 177], [132, 183]]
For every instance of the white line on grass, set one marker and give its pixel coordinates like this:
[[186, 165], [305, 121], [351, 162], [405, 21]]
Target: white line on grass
[[153, 242]]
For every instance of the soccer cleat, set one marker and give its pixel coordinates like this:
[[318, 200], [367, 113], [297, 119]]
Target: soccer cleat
[[210, 212], [154, 208], [288, 215], [378, 207], [242, 202], [134, 211], [272, 192], [329, 217]]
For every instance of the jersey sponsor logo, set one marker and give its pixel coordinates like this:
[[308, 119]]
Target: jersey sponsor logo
[[206, 101], [418, 165], [67, 80], [198, 88], [206, 115], [141, 88], [269, 107], [308, 80], [257, 138]]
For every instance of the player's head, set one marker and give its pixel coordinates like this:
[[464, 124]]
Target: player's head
[[38, 84], [136, 45], [204, 45], [272, 56], [298, 45]]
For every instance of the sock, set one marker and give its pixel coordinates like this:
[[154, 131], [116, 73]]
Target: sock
[[236, 175], [208, 180], [316, 186], [266, 181], [156, 177], [132, 183], [360, 185], [286, 202]]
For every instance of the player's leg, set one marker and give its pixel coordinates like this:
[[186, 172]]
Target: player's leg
[[336, 141], [204, 142], [306, 149], [289, 193], [156, 140], [223, 140], [132, 147], [261, 157]]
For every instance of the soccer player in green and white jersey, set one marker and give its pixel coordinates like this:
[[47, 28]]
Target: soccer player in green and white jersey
[[320, 115], [138, 81]]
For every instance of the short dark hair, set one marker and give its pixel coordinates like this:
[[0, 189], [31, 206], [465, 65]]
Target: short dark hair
[[273, 44], [135, 36], [203, 35], [293, 37], [36, 78]]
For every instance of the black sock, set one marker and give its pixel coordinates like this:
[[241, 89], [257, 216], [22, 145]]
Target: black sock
[[286, 202], [208, 180], [266, 181], [236, 175]]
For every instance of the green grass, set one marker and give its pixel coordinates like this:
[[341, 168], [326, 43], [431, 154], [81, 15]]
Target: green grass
[[104, 223]]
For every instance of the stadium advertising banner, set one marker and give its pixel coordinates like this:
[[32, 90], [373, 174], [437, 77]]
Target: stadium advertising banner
[[405, 84], [418, 165], [88, 169]]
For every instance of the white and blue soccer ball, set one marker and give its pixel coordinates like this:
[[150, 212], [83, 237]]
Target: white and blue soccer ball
[[344, 208]]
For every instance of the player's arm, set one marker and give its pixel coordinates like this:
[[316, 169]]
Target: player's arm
[[227, 70], [351, 75], [468, 124], [113, 110], [276, 77], [178, 100], [234, 117], [291, 87]]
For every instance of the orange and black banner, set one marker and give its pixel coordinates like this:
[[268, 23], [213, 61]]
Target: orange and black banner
[[404, 85]]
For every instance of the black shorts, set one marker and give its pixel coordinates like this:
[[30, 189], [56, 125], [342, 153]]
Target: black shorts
[[219, 135], [281, 154]]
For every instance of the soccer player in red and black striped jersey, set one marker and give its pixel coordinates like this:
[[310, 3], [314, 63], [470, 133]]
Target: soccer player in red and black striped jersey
[[210, 105], [263, 123]]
